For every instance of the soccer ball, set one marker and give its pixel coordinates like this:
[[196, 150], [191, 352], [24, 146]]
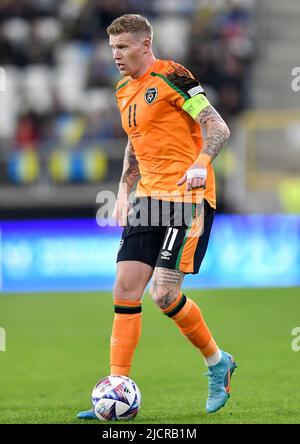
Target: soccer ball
[[116, 397]]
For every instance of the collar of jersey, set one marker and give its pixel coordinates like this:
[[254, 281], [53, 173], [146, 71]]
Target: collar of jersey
[[150, 69]]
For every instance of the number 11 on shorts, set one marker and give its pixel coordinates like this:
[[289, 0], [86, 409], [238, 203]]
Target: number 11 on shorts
[[172, 238]]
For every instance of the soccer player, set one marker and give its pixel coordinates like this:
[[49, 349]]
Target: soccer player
[[163, 109]]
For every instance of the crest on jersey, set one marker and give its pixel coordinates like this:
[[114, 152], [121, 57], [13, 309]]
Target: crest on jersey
[[150, 95]]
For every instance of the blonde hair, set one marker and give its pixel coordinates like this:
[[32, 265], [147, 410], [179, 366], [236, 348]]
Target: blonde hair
[[133, 23]]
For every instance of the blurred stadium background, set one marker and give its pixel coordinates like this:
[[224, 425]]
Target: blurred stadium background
[[61, 143]]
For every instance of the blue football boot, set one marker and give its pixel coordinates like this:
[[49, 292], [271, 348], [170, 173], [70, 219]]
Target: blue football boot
[[87, 414], [219, 382]]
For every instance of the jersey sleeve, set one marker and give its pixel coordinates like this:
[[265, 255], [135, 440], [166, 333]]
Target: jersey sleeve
[[187, 93], [120, 85]]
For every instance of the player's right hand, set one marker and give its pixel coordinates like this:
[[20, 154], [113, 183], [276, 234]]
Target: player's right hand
[[120, 214], [121, 208]]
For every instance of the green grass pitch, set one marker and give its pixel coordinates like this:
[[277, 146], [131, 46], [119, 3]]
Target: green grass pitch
[[57, 348]]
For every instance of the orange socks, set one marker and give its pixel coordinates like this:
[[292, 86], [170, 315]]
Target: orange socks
[[126, 332], [127, 327], [188, 317]]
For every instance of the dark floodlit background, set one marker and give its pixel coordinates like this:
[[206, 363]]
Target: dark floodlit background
[[61, 141], [61, 144]]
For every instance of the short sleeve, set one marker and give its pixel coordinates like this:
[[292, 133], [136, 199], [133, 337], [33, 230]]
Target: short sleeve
[[188, 93]]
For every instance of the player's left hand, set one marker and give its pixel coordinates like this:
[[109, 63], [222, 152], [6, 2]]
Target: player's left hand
[[195, 177]]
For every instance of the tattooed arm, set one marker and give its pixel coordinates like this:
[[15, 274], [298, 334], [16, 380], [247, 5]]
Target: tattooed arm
[[130, 172], [217, 134], [130, 175]]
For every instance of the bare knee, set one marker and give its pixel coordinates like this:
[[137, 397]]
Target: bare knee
[[165, 286], [125, 289], [163, 296], [131, 281]]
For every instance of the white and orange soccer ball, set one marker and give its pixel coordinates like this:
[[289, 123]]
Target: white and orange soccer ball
[[116, 398]]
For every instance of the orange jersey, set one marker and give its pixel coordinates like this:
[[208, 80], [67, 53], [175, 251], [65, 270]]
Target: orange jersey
[[165, 138]]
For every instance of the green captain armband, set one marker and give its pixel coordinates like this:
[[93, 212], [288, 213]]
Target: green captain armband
[[195, 105]]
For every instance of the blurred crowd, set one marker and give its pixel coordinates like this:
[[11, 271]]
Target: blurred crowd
[[60, 72]]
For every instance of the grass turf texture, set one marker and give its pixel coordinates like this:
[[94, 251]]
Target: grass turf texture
[[58, 347]]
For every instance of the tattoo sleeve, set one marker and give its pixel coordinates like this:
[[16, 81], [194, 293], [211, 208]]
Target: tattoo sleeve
[[166, 286], [130, 173], [217, 132]]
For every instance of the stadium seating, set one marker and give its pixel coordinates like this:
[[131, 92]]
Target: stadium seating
[[61, 76]]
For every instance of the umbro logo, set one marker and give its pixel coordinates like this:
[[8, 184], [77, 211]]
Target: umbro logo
[[166, 255]]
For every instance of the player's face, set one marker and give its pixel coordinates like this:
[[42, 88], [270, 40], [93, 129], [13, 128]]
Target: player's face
[[128, 53]]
